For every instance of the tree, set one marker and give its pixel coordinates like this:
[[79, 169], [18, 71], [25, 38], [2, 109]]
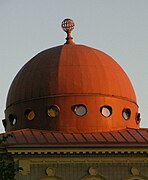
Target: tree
[[8, 168]]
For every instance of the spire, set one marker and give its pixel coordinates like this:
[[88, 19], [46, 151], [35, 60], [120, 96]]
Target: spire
[[67, 26]]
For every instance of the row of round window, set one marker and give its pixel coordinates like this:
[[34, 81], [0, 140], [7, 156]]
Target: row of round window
[[79, 110]]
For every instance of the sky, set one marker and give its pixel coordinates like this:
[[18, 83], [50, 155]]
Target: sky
[[116, 27]]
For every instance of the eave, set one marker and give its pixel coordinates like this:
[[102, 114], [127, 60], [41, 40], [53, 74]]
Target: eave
[[31, 141]]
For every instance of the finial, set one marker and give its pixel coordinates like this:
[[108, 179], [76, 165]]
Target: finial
[[67, 26]]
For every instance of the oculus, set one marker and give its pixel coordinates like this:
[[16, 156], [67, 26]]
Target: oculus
[[12, 119], [29, 114], [80, 110], [106, 111], [53, 111], [126, 113]]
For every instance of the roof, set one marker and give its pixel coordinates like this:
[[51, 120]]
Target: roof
[[70, 69], [31, 138]]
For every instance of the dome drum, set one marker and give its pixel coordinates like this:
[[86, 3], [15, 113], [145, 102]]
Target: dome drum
[[66, 118]]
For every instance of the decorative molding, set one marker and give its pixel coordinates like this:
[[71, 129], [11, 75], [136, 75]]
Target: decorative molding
[[93, 175], [50, 175], [37, 159], [135, 175], [78, 151]]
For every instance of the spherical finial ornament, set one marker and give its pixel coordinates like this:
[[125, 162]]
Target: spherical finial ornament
[[67, 26]]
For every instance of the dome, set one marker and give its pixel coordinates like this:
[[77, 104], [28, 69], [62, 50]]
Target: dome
[[71, 88]]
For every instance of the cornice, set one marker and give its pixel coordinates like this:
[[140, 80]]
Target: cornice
[[78, 151]]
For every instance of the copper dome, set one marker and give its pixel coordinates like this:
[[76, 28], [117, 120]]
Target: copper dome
[[70, 78]]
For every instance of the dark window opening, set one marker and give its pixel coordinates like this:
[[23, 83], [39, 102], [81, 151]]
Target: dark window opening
[[106, 111]]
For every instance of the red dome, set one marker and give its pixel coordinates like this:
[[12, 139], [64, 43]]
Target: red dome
[[68, 78]]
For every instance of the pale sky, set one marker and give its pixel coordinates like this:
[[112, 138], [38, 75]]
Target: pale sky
[[117, 27]]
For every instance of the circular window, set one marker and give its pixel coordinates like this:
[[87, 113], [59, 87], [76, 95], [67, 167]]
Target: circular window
[[4, 121], [12, 119], [53, 111], [106, 111], [138, 119], [29, 114], [80, 110], [126, 113]]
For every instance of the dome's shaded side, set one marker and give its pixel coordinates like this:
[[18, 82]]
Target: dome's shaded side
[[71, 79], [37, 78]]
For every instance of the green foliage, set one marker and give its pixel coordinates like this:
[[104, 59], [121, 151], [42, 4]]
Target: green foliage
[[4, 138], [8, 168]]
